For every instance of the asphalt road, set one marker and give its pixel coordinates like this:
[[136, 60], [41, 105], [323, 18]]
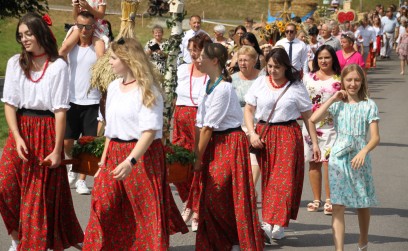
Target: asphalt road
[[312, 231]]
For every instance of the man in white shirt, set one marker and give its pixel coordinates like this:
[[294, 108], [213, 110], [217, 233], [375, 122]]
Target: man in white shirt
[[365, 34], [84, 102], [296, 49], [389, 24], [327, 38], [195, 25]]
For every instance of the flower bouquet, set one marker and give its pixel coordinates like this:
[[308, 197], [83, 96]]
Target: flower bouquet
[[88, 151], [273, 31], [179, 163]]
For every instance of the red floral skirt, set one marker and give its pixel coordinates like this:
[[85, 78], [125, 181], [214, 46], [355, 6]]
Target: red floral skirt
[[378, 41], [137, 213], [282, 166], [184, 135], [228, 214], [35, 200]]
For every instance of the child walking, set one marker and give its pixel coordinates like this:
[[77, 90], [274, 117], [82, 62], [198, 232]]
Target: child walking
[[350, 178], [402, 49]]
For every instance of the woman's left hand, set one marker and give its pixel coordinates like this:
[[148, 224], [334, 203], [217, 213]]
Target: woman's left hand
[[55, 159], [358, 160], [122, 170]]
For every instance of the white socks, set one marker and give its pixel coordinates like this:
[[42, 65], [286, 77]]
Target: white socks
[[15, 243]]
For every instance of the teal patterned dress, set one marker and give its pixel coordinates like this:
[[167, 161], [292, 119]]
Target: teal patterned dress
[[349, 187]]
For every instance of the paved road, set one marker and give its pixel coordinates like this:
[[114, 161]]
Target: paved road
[[312, 231]]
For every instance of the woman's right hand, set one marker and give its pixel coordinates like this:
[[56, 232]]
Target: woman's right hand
[[21, 149], [340, 96], [256, 141]]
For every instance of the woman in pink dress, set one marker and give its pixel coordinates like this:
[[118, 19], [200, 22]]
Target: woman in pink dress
[[348, 55]]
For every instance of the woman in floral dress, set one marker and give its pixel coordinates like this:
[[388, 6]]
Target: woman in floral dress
[[321, 84], [155, 49]]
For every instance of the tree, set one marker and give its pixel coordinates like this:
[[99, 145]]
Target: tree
[[17, 8]]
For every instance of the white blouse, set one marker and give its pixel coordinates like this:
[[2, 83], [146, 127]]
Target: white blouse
[[220, 109], [293, 102], [183, 86], [126, 116], [50, 93]]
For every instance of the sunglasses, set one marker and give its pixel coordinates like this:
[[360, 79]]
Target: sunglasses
[[347, 36], [87, 26], [289, 31]]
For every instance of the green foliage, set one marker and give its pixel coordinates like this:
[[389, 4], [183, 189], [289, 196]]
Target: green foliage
[[176, 153], [93, 145], [18, 8]]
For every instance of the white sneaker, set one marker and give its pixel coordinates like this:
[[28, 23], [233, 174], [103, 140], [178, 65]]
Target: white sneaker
[[72, 177], [81, 187], [278, 232], [267, 228], [187, 213], [236, 248]]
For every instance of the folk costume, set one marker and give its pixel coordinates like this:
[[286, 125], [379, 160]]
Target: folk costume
[[36, 200]]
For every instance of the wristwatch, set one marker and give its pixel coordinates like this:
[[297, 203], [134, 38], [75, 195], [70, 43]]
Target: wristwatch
[[132, 160]]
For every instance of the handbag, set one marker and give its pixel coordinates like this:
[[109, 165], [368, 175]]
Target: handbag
[[258, 150]]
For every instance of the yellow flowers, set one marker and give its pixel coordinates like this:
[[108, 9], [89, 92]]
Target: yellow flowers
[[280, 24], [267, 27]]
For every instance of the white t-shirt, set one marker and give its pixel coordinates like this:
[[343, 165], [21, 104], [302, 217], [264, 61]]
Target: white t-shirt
[[293, 102], [220, 109], [81, 60], [127, 117], [183, 86], [50, 93]]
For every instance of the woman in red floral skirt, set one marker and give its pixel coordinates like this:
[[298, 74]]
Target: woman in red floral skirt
[[190, 80], [35, 201], [228, 218], [281, 157], [131, 201]]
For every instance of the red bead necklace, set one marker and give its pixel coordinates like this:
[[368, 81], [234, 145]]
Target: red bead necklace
[[128, 83], [191, 84], [42, 74], [275, 85]]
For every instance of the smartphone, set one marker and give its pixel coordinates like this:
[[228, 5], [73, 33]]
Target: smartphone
[[155, 47]]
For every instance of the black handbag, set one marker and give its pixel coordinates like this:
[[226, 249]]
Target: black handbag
[[258, 150]]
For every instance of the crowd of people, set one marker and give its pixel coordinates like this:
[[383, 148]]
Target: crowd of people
[[239, 100]]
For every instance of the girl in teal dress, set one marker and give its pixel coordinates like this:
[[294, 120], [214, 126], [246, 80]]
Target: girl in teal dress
[[350, 178]]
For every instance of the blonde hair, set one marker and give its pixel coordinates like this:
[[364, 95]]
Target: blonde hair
[[249, 51], [363, 92], [132, 54]]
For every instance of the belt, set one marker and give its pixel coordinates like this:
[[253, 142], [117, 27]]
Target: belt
[[229, 130], [277, 123], [123, 141], [35, 113]]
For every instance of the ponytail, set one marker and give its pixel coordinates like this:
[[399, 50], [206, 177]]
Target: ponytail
[[225, 74]]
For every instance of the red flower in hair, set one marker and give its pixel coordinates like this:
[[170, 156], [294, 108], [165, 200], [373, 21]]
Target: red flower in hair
[[47, 19]]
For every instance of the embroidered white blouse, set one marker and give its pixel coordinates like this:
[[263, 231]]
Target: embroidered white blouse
[[220, 109], [50, 93], [126, 116], [293, 102], [183, 86]]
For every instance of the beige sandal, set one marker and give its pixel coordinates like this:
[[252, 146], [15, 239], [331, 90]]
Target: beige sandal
[[328, 207], [314, 206]]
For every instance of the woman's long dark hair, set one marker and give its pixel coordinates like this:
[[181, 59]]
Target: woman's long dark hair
[[279, 56], [335, 62], [218, 51], [42, 33], [252, 39]]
